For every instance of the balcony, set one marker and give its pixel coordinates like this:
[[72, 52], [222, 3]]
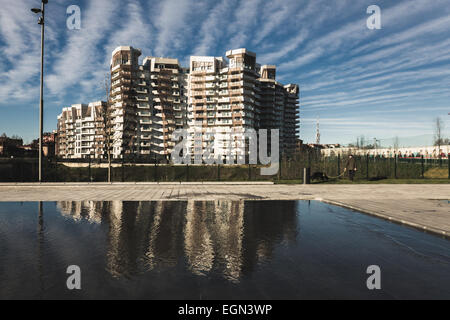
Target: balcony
[[210, 85], [197, 79], [210, 78]]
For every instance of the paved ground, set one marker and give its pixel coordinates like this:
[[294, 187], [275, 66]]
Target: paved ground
[[422, 206]]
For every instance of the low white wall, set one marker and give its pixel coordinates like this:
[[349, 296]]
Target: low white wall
[[427, 152]]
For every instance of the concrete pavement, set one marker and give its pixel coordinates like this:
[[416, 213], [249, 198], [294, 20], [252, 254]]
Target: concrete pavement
[[422, 206]]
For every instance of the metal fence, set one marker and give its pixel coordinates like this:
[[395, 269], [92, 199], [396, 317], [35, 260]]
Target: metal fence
[[290, 168]]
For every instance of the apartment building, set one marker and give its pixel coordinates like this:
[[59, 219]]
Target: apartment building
[[291, 126], [168, 102], [230, 98], [149, 100], [130, 99], [278, 108], [80, 131], [220, 101]]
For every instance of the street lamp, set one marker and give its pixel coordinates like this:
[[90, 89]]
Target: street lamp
[[41, 21]]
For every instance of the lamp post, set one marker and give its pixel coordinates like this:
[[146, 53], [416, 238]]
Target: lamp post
[[41, 21]]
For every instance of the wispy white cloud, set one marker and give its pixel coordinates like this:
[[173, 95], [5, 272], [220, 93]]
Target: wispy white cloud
[[245, 17], [174, 19], [212, 28], [341, 66], [78, 61], [20, 46]]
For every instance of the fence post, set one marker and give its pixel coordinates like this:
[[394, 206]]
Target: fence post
[[423, 166], [20, 163], [448, 162], [249, 172], [187, 172], [395, 166], [123, 172], [339, 165], [56, 169], [90, 173], [155, 172], [307, 176], [367, 166], [218, 172], [280, 174]]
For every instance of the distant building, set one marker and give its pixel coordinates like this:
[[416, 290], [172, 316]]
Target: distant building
[[49, 146], [10, 146]]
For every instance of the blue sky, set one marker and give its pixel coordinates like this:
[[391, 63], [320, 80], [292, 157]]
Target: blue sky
[[376, 83]]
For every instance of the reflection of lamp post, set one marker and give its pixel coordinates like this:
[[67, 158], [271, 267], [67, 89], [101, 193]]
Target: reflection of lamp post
[[41, 21], [41, 244]]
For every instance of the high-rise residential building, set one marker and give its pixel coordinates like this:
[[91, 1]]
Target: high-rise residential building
[[231, 98], [223, 100], [220, 101], [130, 101], [291, 116], [149, 100], [167, 102], [80, 131], [278, 107]]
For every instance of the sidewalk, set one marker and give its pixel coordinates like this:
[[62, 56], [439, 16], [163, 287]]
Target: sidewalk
[[421, 206]]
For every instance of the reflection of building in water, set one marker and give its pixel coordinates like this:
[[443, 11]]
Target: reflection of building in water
[[268, 225], [145, 236], [82, 210], [213, 237], [222, 238]]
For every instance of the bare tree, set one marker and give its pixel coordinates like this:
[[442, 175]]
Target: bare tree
[[106, 111], [438, 138], [396, 143]]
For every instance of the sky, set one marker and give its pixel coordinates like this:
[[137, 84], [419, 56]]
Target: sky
[[379, 83]]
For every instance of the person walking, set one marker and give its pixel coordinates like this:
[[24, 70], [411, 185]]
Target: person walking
[[350, 166]]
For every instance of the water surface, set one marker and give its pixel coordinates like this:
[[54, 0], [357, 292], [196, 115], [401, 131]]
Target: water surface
[[214, 250]]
